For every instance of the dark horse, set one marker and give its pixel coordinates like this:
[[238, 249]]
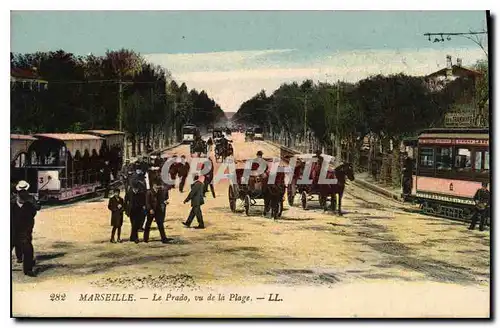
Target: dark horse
[[273, 195], [341, 172]]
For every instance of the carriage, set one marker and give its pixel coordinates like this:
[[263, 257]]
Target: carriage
[[65, 166], [249, 134], [19, 147], [450, 166], [222, 152], [199, 146], [248, 192], [308, 191]]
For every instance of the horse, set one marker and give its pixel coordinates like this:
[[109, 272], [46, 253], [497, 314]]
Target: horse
[[341, 172], [273, 195]]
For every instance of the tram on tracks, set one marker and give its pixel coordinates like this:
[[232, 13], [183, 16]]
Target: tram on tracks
[[64, 166], [450, 166]]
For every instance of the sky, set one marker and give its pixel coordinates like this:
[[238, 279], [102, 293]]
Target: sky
[[234, 54]]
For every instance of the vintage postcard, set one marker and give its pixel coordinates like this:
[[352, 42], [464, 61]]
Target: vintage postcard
[[250, 164]]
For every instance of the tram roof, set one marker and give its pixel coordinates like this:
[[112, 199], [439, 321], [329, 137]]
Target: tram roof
[[103, 133], [68, 136], [22, 137], [462, 131]]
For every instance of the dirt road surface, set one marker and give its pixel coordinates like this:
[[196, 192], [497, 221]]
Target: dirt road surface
[[378, 248]]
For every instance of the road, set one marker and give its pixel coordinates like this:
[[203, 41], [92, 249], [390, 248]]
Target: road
[[377, 244]]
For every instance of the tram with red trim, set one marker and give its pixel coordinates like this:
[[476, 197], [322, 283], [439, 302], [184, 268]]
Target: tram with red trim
[[65, 166], [451, 164]]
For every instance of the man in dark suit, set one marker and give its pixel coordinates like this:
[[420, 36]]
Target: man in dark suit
[[209, 177], [135, 207], [116, 205], [22, 216], [482, 209], [183, 171], [106, 178], [156, 206], [196, 198]]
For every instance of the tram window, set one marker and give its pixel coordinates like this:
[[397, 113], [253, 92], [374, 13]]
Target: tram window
[[427, 157], [463, 160], [487, 160], [444, 158]]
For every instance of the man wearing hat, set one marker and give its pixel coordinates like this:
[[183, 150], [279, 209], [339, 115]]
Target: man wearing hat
[[135, 208], [482, 208], [156, 204], [22, 215], [196, 197]]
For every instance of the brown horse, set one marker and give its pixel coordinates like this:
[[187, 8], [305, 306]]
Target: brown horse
[[341, 172], [273, 195]]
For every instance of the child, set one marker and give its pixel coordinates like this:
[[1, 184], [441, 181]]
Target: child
[[116, 206]]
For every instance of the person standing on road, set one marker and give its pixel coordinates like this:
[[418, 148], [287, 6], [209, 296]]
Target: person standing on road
[[106, 178], [22, 218], [209, 177], [156, 206], [482, 209], [196, 198], [183, 172], [135, 207], [116, 205], [210, 144]]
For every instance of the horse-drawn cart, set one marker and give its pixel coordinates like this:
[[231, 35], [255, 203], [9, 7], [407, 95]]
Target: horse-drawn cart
[[257, 187], [314, 187]]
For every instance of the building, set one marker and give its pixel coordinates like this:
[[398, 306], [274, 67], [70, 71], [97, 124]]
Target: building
[[461, 82], [26, 78]]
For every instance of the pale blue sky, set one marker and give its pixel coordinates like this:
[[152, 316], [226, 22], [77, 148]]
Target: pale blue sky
[[234, 54], [204, 31]]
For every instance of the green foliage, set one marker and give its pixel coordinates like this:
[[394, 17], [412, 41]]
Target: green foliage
[[83, 93]]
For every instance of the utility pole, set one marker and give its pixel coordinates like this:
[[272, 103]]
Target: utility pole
[[120, 105], [337, 137], [305, 121]]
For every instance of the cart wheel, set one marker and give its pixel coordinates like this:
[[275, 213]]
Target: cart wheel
[[247, 204], [304, 200], [290, 192], [232, 199]]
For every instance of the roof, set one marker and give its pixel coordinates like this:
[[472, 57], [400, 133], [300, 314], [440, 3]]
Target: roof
[[21, 137], [102, 133], [68, 136], [456, 131], [456, 70]]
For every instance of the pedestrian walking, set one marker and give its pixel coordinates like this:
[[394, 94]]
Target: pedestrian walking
[[116, 205], [22, 216], [482, 208], [208, 181], [156, 206], [210, 144], [135, 208], [183, 171], [196, 198]]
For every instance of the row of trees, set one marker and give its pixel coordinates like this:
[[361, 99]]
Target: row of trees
[[341, 115], [106, 92]]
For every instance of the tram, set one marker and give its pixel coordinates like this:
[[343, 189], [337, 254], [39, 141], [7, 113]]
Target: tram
[[188, 133], [112, 147], [450, 166], [19, 148], [65, 166], [257, 134]]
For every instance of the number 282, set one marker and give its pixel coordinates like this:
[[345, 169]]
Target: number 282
[[57, 297]]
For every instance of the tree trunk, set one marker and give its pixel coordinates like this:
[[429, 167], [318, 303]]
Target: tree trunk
[[134, 144], [139, 146]]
